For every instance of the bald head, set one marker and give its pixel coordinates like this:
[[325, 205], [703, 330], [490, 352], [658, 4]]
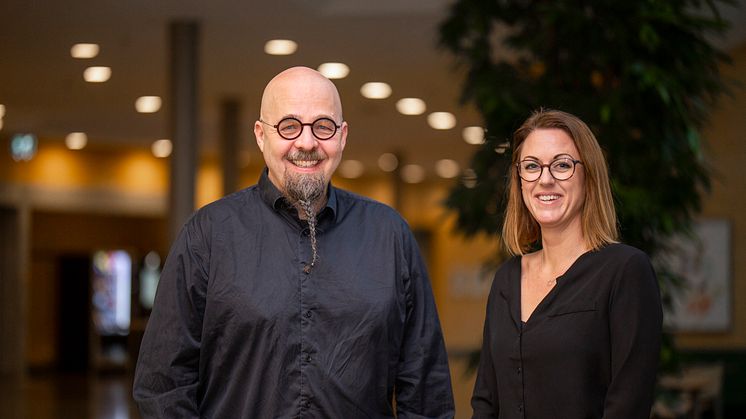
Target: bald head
[[299, 84]]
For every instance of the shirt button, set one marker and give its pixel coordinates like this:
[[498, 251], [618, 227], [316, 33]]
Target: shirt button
[[519, 371], [520, 407], [308, 357], [308, 314], [306, 404]]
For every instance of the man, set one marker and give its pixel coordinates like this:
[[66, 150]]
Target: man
[[292, 298]]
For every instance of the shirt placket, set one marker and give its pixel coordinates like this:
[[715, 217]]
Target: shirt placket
[[306, 316]]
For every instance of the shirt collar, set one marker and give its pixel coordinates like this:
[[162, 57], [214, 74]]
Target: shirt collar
[[276, 200]]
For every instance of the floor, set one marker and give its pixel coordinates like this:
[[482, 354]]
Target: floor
[[63, 396]]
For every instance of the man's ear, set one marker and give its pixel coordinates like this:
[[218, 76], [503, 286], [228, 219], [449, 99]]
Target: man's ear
[[259, 134], [343, 135]]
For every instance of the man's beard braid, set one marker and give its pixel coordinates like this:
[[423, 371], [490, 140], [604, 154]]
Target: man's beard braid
[[305, 190]]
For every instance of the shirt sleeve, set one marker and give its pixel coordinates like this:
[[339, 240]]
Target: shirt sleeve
[[635, 321], [484, 401], [167, 372], [423, 381]]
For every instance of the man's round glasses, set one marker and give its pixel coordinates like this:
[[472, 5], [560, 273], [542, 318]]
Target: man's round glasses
[[291, 128], [563, 168]]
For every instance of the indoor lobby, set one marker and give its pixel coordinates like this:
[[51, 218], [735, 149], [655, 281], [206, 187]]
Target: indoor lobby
[[100, 168]]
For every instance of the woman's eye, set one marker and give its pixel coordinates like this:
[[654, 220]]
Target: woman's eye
[[562, 165]]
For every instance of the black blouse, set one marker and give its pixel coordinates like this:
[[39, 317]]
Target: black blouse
[[589, 350]]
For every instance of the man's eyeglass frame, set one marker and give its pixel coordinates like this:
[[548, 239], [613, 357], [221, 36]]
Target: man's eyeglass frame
[[302, 126]]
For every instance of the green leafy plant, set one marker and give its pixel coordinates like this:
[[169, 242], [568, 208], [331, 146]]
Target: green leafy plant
[[643, 74]]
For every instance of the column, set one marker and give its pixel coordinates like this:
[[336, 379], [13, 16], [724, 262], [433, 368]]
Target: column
[[230, 143], [184, 121]]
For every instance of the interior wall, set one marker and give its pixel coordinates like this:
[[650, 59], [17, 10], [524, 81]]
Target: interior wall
[[11, 298], [726, 152]]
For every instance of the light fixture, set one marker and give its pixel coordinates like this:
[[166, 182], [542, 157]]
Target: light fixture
[[23, 147], [161, 148], [280, 47], [447, 168], [334, 70], [376, 90], [473, 135], [411, 106], [97, 74], [148, 104], [76, 140], [2, 111], [388, 162], [441, 120], [412, 173], [83, 51], [351, 169]]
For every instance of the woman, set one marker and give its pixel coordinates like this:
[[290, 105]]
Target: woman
[[572, 329]]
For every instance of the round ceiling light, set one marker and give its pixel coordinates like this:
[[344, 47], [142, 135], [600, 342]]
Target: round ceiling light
[[376, 90], [411, 106], [334, 70], [280, 47], [441, 120]]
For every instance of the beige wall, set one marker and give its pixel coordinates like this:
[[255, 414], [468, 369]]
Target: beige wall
[[726, 151]]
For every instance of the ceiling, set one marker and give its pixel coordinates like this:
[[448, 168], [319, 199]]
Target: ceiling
[[393, 41]]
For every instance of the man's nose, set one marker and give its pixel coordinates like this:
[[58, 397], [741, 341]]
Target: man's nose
[[306, 140]]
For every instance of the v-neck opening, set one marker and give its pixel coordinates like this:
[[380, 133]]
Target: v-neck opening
[[551, 292]]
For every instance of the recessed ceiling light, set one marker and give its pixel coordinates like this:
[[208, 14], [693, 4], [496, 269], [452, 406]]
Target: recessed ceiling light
[[351, 169], [161, 148], [280, 47], [97, 74], [441, 120], [376, 90], [447, 168], [411, 106], [388, 162], [76, 140], [148, 104], [84, 50], [412, 173], [334, 70], [473, 135]]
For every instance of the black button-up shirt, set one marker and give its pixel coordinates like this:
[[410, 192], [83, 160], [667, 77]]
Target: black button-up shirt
[[589, 350], [240, 330]]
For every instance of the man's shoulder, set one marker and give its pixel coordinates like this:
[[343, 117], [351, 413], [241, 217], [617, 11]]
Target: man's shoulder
[[230, 205], [350, 202]]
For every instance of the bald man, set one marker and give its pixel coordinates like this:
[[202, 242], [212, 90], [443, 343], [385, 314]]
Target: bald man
[[292, 298]]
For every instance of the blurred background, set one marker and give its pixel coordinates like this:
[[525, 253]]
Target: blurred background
[[117, 119]]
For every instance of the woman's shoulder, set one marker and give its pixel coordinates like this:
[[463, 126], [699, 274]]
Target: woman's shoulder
[[509, 268], [620, 251]]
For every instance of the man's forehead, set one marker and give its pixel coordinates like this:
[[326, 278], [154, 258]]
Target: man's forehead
[[290, 95]]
